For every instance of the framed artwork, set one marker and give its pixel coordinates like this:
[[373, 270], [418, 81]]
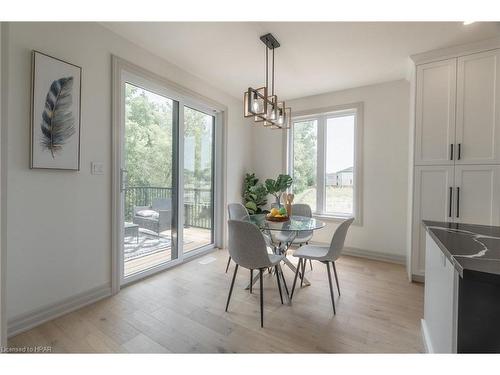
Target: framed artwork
[[55, 113]]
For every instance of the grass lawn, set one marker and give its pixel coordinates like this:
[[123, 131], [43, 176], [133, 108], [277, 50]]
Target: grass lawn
[[338, 199]]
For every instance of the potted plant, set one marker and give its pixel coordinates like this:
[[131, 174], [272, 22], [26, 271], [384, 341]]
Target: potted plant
[[254, 194], [278, 186]]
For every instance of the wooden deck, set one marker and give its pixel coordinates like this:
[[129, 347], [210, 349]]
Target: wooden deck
[[195, 238]]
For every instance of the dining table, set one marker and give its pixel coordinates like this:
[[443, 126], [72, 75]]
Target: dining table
[[292, 227]]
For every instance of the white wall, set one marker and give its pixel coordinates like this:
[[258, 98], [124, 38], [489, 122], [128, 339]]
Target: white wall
[[59, 222], [385, 163]]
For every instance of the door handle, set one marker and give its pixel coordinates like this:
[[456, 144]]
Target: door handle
[[459, 151], [123, 179], [450, 202], [458, 201], [451, 151]]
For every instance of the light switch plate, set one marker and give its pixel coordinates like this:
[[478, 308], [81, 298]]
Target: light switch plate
[[97, 167]]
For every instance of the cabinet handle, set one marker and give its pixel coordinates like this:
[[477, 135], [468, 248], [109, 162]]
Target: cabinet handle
[[450, 202], [459, 151], [451, 151], [458, 202]]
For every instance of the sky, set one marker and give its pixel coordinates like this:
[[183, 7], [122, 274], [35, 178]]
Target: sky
[[340, 143]]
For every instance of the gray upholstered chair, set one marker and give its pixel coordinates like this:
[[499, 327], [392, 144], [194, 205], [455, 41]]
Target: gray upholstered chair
[[248, 249], [324, 254], [303, 237], [156, 218], [236, 211]]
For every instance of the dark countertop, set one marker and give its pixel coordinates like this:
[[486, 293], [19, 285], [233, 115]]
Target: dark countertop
[[469, 247]]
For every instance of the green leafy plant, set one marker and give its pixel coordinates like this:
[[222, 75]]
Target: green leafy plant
[[278, 186], [254, 194]]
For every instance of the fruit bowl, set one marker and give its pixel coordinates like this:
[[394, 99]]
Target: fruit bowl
[[278, 219]]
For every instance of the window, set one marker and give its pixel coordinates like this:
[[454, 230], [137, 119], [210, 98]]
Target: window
[[324, 161]]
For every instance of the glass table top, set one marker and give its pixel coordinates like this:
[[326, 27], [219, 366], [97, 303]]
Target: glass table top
[[295, 224]]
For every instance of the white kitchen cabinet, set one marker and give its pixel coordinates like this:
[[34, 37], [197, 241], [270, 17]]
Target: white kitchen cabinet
[[477, 194], [435, 112], [441, 301], [456, 145], [433, 200], [478, 116]]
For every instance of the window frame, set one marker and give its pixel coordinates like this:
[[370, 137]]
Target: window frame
[[321, 116]]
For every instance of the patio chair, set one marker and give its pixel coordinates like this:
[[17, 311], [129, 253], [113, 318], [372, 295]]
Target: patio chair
[[156, 218]]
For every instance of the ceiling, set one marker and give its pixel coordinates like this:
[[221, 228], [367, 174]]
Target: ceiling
[[314, 57]]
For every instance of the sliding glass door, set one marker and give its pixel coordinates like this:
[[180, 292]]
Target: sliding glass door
[[162, 134], [149, 181], [198, 179]]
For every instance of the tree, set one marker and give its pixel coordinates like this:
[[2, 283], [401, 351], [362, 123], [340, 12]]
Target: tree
[[304, 156], [148, 138]]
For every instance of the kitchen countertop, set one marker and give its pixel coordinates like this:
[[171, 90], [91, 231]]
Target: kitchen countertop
[[468, 247]]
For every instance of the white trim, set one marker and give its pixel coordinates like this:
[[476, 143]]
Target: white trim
[[368, 254], [24, 322], [321, 115], [425, 337], [455, 51], [125, 71], [374, 255]]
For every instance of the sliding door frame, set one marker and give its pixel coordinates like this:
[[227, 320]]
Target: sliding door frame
[[121, 70]]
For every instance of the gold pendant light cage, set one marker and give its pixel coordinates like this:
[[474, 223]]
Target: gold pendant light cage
[[262, 104]]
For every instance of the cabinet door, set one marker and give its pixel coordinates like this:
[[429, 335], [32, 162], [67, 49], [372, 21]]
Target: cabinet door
[[435, 113], [440, 303], [433, 200], [478, 116], [477, 190]]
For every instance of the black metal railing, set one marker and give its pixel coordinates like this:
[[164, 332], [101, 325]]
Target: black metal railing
[[197, 203]]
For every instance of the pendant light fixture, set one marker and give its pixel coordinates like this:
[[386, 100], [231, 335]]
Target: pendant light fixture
[[262, 104]]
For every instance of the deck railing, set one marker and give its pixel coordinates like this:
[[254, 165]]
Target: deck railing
[[197, 203]]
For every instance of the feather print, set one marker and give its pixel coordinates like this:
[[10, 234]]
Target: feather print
[[57, 117]]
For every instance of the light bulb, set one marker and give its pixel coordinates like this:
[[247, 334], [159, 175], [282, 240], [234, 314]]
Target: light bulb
[[272, 116], [255, 103], [280, 117]]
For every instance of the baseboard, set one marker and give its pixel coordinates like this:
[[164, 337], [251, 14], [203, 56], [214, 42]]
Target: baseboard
[[374, 255], [418, 278], [370, 254], [24, 322], [425, 337]]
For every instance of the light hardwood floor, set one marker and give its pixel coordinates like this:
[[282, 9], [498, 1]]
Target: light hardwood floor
[[182, 311]]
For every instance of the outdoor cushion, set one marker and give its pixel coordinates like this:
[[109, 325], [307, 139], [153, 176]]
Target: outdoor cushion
[[148, 213]]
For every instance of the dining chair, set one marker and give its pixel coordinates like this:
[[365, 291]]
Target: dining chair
[[248, 249], [303, 237], [324, 254], [236, 211]]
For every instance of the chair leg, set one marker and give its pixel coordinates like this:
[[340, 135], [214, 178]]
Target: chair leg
[[303, 272], [283, 278], [311, 264], [228, 263], [251, 281], [331, 288], [295, 278], [279, 284], [261, 300], [232, 284], [336, 278]]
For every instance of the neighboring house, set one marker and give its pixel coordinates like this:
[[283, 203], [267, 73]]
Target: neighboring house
[[340, 178]]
